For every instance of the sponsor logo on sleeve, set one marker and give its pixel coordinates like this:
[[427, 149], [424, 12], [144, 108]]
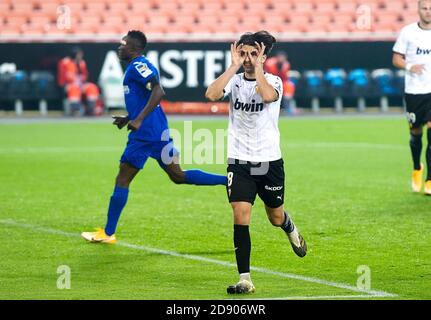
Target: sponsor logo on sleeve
[[143, 69]]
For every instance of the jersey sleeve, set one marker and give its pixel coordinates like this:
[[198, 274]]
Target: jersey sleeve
[[228, 89], [144, 73], [277, 83], [401, 43]]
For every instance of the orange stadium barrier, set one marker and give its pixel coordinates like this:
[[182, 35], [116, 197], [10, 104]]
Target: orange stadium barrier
[[195, 107]]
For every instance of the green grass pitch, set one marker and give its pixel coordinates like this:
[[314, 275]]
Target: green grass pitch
[[348, 190]]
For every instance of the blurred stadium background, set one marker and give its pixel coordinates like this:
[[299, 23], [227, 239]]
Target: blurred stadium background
[[339, 50]]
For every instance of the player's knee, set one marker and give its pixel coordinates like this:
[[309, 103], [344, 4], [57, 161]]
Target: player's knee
[[241, 213], [177, 177], [122, 181], [416, 131]]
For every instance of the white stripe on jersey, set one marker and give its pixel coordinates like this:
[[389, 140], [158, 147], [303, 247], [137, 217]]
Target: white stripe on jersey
[[253, 124]]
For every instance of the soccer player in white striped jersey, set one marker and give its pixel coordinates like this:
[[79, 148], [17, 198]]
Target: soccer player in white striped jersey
[[412, 52], [255, 164]]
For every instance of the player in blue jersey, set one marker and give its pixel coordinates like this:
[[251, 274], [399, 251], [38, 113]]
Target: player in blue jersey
[[149, 136]]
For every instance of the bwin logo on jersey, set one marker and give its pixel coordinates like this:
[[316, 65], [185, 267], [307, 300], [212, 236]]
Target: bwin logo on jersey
[[423, 51], [249, 107]]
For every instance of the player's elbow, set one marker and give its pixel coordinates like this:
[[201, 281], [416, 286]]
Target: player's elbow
[[211, 96], [159, 94], [394, 62], [397, 61], [269, 98], [162, 93]]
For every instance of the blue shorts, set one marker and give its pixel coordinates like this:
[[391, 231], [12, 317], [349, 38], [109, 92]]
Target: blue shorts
[[138, 151]]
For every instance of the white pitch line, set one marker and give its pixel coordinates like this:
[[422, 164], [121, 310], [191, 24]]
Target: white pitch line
[[59, 149], [362, 145], [370, 293], [361, 296]]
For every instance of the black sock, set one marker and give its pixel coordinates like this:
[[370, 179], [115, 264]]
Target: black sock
[[416, 148], [287, 225], [428, 154], [242, 242]]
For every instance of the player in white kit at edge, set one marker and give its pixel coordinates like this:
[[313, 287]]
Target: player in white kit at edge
[[412, 52]]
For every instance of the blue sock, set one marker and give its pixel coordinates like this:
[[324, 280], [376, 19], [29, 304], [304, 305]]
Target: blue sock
[[116, 205], [201, 178]]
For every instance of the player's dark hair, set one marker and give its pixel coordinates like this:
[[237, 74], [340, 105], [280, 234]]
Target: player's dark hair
[[263, 36], [139, 38]]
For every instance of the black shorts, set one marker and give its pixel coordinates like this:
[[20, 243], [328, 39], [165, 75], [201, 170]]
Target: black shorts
[[418, 109], [246, 179]]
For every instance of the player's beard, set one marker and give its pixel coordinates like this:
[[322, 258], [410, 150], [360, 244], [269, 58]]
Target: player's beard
[[249, 69], [425, 19]]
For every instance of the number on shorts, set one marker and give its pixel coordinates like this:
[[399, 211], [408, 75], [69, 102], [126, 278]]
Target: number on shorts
[[411, 117], [229, 178]]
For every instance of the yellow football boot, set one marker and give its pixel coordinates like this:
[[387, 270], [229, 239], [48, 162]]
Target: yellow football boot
[[417, 179], [99, 236], [427, 188]]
